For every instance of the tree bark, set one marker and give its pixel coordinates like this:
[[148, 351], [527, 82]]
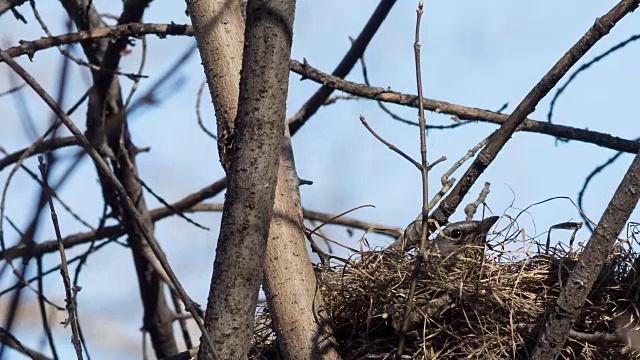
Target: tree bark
[[219, 28], [572, 297], [288, 268], [292, 289], [253, 171]]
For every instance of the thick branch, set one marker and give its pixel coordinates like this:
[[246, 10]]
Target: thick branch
[[361, 90], [464, 112], [248, 208], [9, 4], [350, 59], [601, 27], [574, 294], [107, 131], [219, 28], [113, 181], [575, 291]]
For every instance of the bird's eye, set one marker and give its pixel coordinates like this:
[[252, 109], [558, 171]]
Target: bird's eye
[[456, 234]]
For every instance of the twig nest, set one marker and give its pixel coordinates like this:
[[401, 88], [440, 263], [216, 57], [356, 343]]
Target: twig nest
[[475, 303]]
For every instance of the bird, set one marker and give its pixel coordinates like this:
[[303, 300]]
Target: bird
[[453, 237], [460, 234]]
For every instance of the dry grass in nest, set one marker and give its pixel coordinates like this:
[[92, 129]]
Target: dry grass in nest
[[472, 306]]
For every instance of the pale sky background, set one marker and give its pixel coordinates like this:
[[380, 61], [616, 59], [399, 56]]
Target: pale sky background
[[479, 54]]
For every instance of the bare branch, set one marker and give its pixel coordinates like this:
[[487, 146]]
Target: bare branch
[[424, 172], [10, 5], [388, 144], [9, 340], [464, 112], [471, 208], [70, 292], [374, 93], [120, 190], [528, 104], [350, 59]]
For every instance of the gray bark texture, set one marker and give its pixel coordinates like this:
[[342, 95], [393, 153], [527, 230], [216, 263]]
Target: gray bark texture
[[289, 274], [258, 136], [572, 297], [219, 29], [293, 293]]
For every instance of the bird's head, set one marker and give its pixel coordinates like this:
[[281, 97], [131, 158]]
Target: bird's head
[[456, 235]]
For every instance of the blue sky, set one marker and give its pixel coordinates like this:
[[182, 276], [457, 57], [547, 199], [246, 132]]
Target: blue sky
[[479, 54]]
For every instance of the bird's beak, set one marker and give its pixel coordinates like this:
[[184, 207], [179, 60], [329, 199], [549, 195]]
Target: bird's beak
[[487, 223]]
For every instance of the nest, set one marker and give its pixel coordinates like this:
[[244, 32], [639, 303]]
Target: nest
[[480, 303]]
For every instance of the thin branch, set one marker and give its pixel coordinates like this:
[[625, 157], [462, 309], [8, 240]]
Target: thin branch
[[601, 27], [374, 93], [69, 56], [198, 116], [138, 76], [322, 217], [588, 179], [12, 90], [165, 203], [114, 231], [11, 341], [21, 285], [120, 190], [365, 76], [464, 112], [70, 292], [330, 221], [388, 144], [471, 208], [41, 147], [584, 67], [43, 309], [25, 283], [424, 172], [134, 29], [181, 321], [570, 301], [54, 195], [349, 222], [150, 97], [470, 153], [348, 62]]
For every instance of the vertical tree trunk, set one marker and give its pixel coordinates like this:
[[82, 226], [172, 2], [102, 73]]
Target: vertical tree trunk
[[219, 28], [289, 274], [293, 293], [253, 171]]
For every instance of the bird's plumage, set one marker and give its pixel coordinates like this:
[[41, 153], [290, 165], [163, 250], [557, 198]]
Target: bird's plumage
[[457, 235], [453, 236]]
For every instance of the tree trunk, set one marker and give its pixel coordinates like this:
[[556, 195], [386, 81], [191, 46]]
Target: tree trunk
[[258, 136], [219, 30], [293, 293], [288, 268]]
